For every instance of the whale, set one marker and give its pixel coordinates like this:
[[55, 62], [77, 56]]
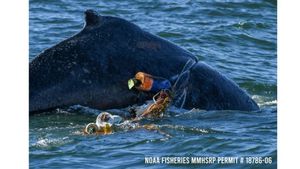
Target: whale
[[92, 68]]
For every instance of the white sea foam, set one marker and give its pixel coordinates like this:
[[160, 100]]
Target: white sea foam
[[264, 101], [47, 142]]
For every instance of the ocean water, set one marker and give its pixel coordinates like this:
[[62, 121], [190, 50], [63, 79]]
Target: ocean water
[[238, 38]]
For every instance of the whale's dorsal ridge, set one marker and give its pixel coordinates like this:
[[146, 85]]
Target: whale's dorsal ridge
[[91, 17]]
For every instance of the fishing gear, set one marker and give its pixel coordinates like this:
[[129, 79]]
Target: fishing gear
[[146, 82], [179, 89], [104, 124]]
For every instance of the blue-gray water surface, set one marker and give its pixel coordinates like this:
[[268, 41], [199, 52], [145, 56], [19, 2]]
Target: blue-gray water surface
[[238, 38]]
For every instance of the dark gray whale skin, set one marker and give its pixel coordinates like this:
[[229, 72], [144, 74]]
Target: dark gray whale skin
[[92, 68]]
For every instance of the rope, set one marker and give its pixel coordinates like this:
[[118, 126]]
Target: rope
[[188, 65]]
